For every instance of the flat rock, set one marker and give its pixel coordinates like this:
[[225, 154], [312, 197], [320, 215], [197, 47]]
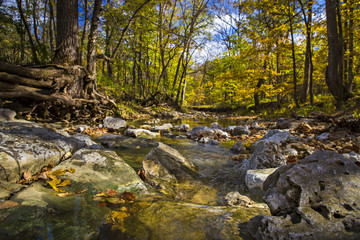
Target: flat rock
[[315, 198], [123, 142], [100, 169], [141, 133], [23, 148]]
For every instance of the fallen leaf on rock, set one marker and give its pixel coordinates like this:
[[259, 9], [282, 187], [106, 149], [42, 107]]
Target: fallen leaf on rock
[[111, 192], [43, 176], [71, 170], [82, 191], [57, 173], [27, 175], [56, 183], [114, 200], [50, 164], [128, 196], [64, 183], [8, 204], [65, 194]]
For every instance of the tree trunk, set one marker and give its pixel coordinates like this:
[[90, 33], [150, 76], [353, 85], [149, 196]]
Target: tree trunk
[[26, 26], [308, 53], [293, 56], [67, 37], [334, 70], [85, 30], [91, 55], [52, 26]]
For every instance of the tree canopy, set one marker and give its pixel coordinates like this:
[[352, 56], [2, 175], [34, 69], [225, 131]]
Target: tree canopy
[[193, 52]]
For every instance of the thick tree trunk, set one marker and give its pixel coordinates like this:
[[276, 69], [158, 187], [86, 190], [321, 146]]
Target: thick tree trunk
[[334, 72], [67, 38]]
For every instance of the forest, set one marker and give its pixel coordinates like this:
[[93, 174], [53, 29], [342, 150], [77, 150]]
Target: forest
[[184, 53]]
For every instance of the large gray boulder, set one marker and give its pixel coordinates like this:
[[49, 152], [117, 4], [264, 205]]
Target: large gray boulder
[[240, 130], [274, 136], [23, 148], [315, 198], [164, 166], [114, 123], [266, 155], [202, 131], [100, 169]]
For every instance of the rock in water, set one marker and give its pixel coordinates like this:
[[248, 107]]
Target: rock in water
[[240, 130], [114, 123], [164, 166], [100, 169], [315, 198]]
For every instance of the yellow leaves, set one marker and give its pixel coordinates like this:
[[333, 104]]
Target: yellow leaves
[[116, 218], [65, 194], [56, 183]]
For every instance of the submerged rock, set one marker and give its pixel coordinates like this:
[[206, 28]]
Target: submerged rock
[[164, 166], [315, 198], [114, 123], [124, 142]]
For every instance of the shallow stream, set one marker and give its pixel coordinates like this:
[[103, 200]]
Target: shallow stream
[[196, 211]]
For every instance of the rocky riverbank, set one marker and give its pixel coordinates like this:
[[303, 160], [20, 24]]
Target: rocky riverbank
[[72, 181]]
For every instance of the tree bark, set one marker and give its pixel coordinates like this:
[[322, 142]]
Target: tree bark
[[85, 30], [334, 72], [67, 38]]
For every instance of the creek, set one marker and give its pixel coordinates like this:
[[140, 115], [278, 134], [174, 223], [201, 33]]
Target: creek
[[196, 211]]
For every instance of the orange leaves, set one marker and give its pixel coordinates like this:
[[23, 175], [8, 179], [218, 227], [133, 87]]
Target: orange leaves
[[8, 204], [113, 198]]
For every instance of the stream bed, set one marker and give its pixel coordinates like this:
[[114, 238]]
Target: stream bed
[[196, 211]]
